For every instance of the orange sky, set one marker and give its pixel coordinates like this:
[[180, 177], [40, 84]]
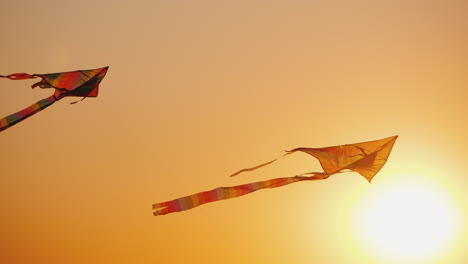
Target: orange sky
[[199, 89]]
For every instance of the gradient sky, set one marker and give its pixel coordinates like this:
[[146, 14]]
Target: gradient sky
[[199, 89]]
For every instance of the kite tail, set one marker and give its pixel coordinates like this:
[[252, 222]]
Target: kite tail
[[10, 120], [259, 166], [18, 76], [223, 193]]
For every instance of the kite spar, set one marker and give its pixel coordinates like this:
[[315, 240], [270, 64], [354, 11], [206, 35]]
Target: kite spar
[[366, 158], [84, 83]]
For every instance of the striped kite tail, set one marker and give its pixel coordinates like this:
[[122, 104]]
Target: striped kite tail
[[223, 193], [17, 117]]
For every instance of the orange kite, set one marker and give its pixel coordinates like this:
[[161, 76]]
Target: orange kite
[[366, 158]]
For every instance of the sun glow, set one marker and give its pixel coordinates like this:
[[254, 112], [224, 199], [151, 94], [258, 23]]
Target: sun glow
[[408, 218]]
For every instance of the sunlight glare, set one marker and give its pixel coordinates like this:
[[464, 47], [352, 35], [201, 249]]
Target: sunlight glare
[[406, 218]]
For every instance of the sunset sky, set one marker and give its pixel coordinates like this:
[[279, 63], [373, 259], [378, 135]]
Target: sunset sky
[[197, 90]]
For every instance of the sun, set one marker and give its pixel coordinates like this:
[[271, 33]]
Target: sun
[[409, 218]]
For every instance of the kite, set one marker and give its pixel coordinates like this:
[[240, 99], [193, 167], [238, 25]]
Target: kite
[[365, 158], [83, 83]]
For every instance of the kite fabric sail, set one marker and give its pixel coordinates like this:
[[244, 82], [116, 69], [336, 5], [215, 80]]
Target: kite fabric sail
[[366, 158], [84, 83]]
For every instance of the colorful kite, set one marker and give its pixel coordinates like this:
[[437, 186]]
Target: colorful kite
[[365, 158], [76, 83]]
